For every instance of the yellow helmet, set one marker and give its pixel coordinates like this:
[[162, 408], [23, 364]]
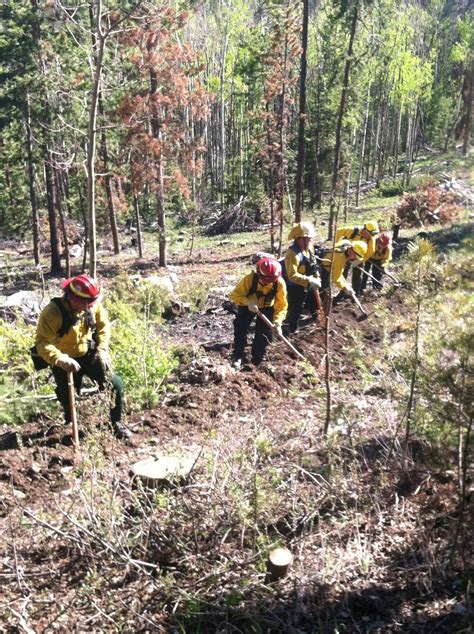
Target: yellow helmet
[[360, 248], [301, 230], [372, 227]]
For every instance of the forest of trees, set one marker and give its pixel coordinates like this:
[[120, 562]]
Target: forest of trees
[[147, 110]]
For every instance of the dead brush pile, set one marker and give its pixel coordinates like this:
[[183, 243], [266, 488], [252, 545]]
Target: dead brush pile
[[429, 205]]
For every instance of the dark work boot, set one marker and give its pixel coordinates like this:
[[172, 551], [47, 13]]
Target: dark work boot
[[120, 431]]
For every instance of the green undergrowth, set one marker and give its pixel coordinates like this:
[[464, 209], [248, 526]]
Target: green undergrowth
[[429, 346]]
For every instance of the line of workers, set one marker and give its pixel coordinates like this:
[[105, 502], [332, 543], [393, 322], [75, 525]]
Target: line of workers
[[280, 289], [73, 332]]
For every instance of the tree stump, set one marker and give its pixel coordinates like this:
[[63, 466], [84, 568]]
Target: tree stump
[[278, 563], [155, 472]]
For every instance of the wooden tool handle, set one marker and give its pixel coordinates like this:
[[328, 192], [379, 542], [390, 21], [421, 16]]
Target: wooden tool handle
[[72, 410]]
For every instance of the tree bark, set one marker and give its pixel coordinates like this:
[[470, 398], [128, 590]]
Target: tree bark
[[31, 182], [100, 39], [160, 196], [53, 230], [342, 108], [139, 226], [301, 159]]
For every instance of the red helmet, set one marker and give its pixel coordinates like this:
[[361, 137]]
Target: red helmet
[[384, 239], [268, 270], [82, 286]]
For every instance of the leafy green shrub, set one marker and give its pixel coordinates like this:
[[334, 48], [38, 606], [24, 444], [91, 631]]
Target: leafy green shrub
[[390, 187], [19, 382], [139, 357]]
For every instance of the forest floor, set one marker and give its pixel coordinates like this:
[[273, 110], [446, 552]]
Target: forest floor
[[378, 546]]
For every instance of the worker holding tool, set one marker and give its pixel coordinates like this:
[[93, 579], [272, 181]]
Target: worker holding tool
[[73, 335], [378, 262], [262, 291], [301, 273], [364, 233], [345, 253]]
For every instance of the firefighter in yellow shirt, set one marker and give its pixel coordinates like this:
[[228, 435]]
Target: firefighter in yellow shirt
[[364, 233], [301, 273], [263, 289], [379, 261], [73, 335], [346, 253]]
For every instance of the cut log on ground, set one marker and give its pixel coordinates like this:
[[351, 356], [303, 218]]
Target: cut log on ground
[[278, 563]]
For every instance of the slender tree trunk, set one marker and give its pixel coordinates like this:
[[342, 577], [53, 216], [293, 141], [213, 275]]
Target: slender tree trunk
[[301, 159], [62, 222], [342, 108], [83, 210], [108, 185], [222, 119], [469, 97], [139, 227], [31, 182], [92, 141], [160, 194], [362, 147], [396, 142], [53, 230]]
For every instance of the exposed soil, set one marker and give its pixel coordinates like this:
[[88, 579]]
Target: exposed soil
[[373, 543]]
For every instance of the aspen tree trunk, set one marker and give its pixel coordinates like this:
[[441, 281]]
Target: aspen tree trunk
[[160, 194], [315, 176], [83, 209], [362, 147], [31, 182], [342, 107], [222, 118], [139, 227], [60, 208], [53, 230], [396, 142], [469, 98], [347, 187], [47, 154], [107, 181], [100, 38], [406, 168], [301, 159]]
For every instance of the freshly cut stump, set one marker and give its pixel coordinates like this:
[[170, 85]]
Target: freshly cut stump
[[278, 563], [154, 472]]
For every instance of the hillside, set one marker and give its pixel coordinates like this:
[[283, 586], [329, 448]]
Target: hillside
[[380, 534]]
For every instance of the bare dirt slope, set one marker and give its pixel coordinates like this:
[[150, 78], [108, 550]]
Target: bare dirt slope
[[84, 549]]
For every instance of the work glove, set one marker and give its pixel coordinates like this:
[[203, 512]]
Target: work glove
[[105, 359], [252, 306], [68, 364], [356, 263], [314, 282], [278, 330], [350, 292]]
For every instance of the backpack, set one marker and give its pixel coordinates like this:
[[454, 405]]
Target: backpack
[[269, 297], [68, 321], [311, 266]]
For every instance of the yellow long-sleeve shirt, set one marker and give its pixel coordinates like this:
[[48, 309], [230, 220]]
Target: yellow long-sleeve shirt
[[75, 342], [280, 303], [383, 255], [354, 233], [340, 261], [295, 269]]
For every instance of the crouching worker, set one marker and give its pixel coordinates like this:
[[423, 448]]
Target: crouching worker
[[73, 335], [302, 273], [345, 253], [379, 261], [263, 289]]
